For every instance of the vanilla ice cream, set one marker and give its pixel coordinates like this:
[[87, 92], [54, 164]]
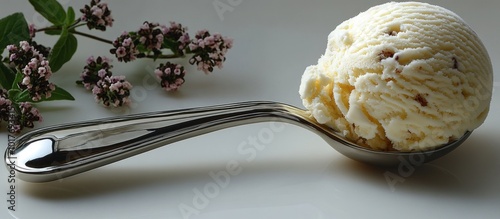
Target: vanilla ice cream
[[401, 76]]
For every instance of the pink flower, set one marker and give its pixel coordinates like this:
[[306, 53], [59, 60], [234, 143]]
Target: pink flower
[[26, 81], [33, 63], [209, 50], [5, 105], [12, 57], [90, 59], [127, 42], [102, 73], [96, 90], [32, 30], [20, 56], [124, 48], [97, 15], [42, 71], [94, 71], [158, 72], [145, 26], [169, 81], [184, 39], [45, 63], [209, 40], [27, 70], [25, 46], [120, 52], [96, 11], [175, 32], [193, 46], [35, 69], [151, 36], [114, 90], [108, 20], [25, 116]]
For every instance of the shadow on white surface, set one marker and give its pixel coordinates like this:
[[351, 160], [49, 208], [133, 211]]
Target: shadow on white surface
[[113, 179], [466, 172], [329, 185]]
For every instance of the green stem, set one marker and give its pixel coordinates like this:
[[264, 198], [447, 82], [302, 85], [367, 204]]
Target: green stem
[[48, 28], [76, 24], [72, 30], [91, 36], [170, 56]]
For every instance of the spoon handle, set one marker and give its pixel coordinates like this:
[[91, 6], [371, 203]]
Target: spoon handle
[[59, 151], [56, 152]]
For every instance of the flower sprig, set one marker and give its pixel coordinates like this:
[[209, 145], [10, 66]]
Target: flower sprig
[[171, 76], [112, 90], [25, 114], [209, 50], [25, 80], [151, 40], [26, 71], [94, 71], [97, 15], [107, 89]]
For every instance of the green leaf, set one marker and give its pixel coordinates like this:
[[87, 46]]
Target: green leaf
[[57, 94], [18, 78], [6, 76], [53, 32], [70, 16], [23, 96], [170, 44], [13, 94], [63, 50], [13, 29], [141, 48], [51, 10]]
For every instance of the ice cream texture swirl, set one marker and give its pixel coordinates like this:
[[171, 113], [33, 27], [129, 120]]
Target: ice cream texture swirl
[[401, 76]]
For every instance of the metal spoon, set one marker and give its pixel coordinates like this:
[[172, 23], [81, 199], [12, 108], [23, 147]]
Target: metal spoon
[[60, 151]]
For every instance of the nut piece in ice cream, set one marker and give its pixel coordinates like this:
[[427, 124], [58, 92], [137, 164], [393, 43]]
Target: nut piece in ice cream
[[401, 76]]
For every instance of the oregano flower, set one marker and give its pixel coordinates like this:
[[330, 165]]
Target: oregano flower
[[94, 71], [97, 15], [171, 76], [112, 91], [209, 50]]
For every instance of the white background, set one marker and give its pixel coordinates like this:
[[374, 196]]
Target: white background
[[297, 175]]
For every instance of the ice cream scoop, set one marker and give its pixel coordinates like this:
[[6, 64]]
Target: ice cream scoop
[[401, 76], [56, 152]]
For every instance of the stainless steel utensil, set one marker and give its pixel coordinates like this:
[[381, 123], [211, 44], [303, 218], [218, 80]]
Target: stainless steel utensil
[[60, 151]]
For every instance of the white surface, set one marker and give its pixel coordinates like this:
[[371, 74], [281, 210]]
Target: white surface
[[297, 175]]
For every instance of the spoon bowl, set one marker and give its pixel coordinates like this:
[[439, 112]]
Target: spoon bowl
[[56, 152]]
